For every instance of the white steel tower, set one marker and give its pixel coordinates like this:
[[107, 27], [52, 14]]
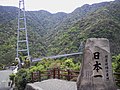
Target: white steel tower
[[22, 37]]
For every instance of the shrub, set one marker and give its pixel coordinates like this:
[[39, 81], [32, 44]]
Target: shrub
[[22, 78], [116, 67]]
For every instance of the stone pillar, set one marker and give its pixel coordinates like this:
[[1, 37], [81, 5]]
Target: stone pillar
[[96, 69]]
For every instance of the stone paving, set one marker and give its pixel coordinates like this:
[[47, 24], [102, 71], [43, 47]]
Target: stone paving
[[55, 84]]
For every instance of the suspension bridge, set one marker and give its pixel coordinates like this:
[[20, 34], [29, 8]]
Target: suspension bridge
[[22, 37], [57, 56]]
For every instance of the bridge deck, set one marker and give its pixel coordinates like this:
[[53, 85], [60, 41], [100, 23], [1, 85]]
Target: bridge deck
[[57, 56]]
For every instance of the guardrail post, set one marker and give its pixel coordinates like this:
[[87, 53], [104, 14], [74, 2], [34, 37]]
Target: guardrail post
[[39, 72], [58, 73], [32, 76], [68, 76], [54, 70], [49, 74]]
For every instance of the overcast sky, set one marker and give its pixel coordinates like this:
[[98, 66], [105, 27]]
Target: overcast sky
[[52, 6]]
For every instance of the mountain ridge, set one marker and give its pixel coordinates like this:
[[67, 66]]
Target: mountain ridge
[[59, 33]]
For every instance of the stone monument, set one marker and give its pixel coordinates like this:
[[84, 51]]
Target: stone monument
[[96, 69]]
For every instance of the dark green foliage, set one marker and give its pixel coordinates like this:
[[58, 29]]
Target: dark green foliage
[[21, 79], [12, 77], [52, 34], [116, 67], [1, 66], [102, 23], [23, 75], [7, 13]]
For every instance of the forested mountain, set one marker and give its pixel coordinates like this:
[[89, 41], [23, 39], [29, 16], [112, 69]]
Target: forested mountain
[[7, 13], [51, 34], [78, 14], [104, 23], [44, 21]]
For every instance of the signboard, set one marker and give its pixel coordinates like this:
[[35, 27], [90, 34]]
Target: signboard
[[96, 69]]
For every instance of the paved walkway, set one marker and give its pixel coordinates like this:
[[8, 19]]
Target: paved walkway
[[55, 84], [4, 79]]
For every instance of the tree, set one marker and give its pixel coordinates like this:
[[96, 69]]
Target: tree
[[116, 67]]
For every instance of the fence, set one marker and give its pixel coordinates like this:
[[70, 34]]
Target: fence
[[68, 74], [55, 73]]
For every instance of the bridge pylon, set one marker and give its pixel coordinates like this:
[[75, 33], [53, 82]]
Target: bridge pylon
[[22, 36]]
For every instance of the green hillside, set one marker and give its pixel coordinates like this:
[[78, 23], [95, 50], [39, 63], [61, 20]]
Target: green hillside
[[52, 34], [7, 13], [102, 23]]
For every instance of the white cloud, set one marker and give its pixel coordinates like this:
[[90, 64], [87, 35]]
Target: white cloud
[[9, 2], [51, 5]]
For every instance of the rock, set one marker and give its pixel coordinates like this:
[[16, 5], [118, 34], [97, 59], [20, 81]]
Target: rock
[[31, 86], [96, 70], [52, 84]]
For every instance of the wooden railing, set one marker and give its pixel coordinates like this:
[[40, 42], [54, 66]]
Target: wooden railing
[[68, 74]]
